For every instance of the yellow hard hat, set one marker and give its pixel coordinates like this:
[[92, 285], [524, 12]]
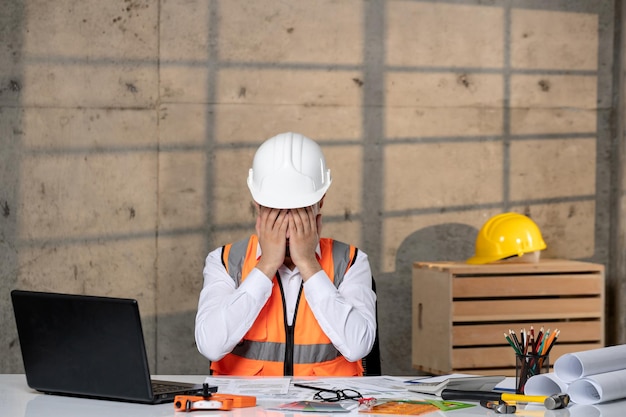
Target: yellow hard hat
[[506, 235]]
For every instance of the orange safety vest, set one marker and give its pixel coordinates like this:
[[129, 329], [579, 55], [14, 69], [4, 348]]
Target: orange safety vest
[[270, 347]]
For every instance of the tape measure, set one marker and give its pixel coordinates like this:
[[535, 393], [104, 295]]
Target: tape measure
[[212, 402]]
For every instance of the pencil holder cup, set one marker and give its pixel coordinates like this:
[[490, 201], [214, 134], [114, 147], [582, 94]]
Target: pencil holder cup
[[527, 366]]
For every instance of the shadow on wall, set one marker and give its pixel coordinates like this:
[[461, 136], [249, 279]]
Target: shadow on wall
[[176, 351], [445, 242]]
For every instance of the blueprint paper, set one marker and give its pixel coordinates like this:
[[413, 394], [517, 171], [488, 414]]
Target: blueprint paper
[[545, 384], [573, 366], [598, 388]]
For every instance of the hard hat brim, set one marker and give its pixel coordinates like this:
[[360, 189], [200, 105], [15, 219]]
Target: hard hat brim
[[481, 260], [287, 201]]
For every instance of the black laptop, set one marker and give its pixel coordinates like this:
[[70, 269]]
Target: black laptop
[[87, 346]]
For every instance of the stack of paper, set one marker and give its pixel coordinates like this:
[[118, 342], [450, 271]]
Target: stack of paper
[[464, 382]]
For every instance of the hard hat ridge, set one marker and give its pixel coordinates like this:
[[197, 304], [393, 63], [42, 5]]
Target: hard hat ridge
[[288, 171]]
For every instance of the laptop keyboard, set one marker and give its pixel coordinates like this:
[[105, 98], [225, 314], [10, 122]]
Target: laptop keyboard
[[159, 388]]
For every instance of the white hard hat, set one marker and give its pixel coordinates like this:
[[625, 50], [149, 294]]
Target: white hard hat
[[288, 171]]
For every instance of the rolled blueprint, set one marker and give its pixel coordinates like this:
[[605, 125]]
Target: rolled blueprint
[[598, 388], [545, 384], [589, 377], [573, 366]]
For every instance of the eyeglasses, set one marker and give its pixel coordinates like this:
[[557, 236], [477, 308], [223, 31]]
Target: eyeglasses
[[329, 395], [338, 395]]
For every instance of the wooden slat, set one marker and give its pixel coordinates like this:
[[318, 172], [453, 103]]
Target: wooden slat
[[429, 369], [501, 357], [507, 310], [489, 371], [492, 334], [475, 371], [508, 371], [541, 267], [527, 285]]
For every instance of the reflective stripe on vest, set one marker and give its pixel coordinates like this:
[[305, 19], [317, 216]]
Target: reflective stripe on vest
[[275, 352]]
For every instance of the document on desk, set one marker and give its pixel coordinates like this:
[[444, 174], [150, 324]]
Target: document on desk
[[260, 387], [368, 386], [282, 389]]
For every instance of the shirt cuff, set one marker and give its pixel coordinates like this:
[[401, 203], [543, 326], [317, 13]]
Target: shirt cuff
[[318, 287], [257, 285]]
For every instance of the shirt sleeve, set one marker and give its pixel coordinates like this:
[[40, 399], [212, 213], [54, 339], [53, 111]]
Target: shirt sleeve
[[346, 314], [226, 312]]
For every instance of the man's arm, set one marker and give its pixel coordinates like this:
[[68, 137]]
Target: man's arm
[[225, 312], [346, 314]]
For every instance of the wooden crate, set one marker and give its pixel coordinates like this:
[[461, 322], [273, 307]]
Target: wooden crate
[[461, 311]]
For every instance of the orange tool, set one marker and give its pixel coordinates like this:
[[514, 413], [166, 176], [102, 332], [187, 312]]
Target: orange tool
[[212, 401]]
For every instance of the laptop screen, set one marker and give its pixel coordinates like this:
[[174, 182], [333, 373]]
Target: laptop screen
[[82, 345]]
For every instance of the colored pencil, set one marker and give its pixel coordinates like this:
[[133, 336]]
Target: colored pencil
[[542, 345], [508, 339], [551, 342], [539, 339], [515, 339], [526, 344]]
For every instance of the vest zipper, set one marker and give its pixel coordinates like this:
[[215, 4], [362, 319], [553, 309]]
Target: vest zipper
[[288, 359], [289, 330], [288, 364], [291, 337]]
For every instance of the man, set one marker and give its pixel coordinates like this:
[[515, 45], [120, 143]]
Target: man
[[285, 301]]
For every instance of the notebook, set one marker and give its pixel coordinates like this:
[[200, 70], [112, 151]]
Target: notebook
[[464, 382], [87, 346]]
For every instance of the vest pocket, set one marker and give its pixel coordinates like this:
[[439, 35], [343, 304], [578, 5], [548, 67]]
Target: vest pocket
[[337, 367], [235, 365]]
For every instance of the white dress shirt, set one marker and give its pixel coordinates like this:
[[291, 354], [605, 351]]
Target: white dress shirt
[[226, 312]]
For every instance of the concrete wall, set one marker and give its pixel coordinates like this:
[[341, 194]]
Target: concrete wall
[[127, 128]]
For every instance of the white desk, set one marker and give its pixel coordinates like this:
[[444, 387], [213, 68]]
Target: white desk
[[17, 400]]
